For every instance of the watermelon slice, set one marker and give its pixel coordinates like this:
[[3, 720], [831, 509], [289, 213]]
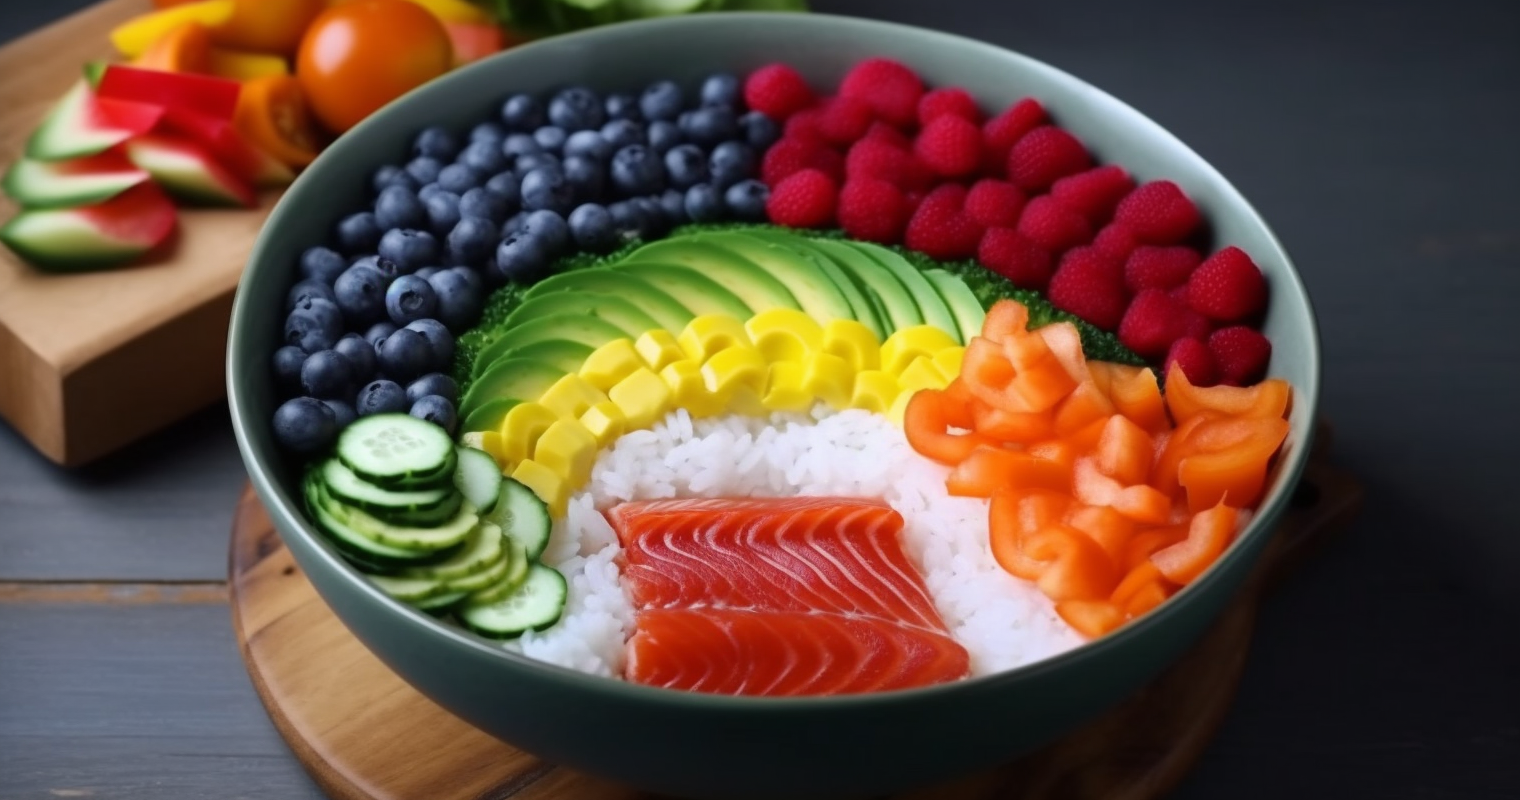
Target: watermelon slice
[[203, 94], [82, 124], [76, 182], [92, 237], [223, 141], [188, 171]]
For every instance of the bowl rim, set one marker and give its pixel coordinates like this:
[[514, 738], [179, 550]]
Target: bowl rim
[[288, 519]]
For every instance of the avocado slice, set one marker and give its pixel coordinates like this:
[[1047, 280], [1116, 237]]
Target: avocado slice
[[509, 379], [868, 308], [968, 310], [690, 288], [579, 328], [751, 283], [489, 416], [930, 306], [625, 315], [557, 353], [813, 281], [894, 306], [667, 313]]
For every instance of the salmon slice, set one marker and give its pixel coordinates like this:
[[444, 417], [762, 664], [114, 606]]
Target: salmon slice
[[821, 554], [786, 653]]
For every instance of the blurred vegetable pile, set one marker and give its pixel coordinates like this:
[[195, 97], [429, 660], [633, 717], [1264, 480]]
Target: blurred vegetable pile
[[541, 17]]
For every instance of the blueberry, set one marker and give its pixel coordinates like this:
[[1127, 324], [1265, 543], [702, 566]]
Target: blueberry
[[522, 112], [404, 355], [622, 105], [305, 289], [378, 331], [550, 137], [484, 157], [588, 144], [711, 125], [478, 202], [731, 162], [439, 340], [636, 170], [532, 161], [551, 228], [546, 189], [591, 227], [381, 397], [759, 130], [443, 212], [473, 240], [621, 133], [361, 294], [520, 144], [409, 250], [427, 272], [343, 412], [409, 298], [321, 264], [435, 141], [628, 219], [661, 100], [437, 410], [513, 224], [314, 324], [488, 131], [746, 200], [663, 135], [360, 354], [424, 169], [433, 383], [387, 268], [704, 203], [576, 109], [359, 233], [458, 178], [655, 223], [472, 277], [397, 207], [584, 175], [392, 175], [505, 185], [459, 300], [673, 206], [521, 257], [287, 368], [721, 89], [304, 425], [429, 191], [685, 165], [326, 373]]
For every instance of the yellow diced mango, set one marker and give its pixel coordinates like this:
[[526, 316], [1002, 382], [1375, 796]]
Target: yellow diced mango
[[899, 407], [570, 396], [829, 378], [921, 374], [610, 363], [521, 428], [852, 341], [948, 362], [568, 448], [658, 348], [710, 334], [643, 397], [874, 391], [784, 334], [688, 389], [899, 350], [491, 443], [605, 421], [736, 376], [783, 387], [550, 486]]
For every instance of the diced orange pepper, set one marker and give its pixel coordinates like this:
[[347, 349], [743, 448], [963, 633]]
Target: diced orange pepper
[[1125, 451], [1086, 404], [1147, 598], [1208, 535], [1101, 373], [1228, 459], [1147, 542], [1133, 581], [1170, 454], [990, 470], [1005, 318], [184, 48], [1026, 350], [1143, 504], [1076, 567], [1091, 618], [272, 112], [927, 421], [1057, 450], [1110, 529], [1065, 343], [1085, 439], [1006, 534], [986, 373], [1018, 427], [1043, 385], [1137, 395], [1270, 398]]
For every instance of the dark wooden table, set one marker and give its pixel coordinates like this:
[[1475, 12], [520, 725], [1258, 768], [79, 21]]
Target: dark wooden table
[[1380, 139]]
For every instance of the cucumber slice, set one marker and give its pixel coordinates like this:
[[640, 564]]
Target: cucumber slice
[[441, 603], [423, 517], [483, 548], [521, 515], [397, 451], [515, 571], [353, 490], [536, 605], [332, 519], [407, 537], [480, 580], [76, 182], [478, 478], [410, 590]]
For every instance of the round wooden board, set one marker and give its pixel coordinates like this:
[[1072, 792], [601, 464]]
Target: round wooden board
[[364, 734]]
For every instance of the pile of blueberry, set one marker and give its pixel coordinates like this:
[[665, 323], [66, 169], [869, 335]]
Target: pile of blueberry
[[370, 327]]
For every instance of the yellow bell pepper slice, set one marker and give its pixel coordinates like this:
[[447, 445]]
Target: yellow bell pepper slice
[[875, 391], [456, 11], [568, 448], [921, 374], [737, 375], [784, 334], [133, 37], [658, 348], [521, 428], [948, 361], [688, 389], [570, 396], [899, 407], [643, 397], [853, 342], [611, 363], [784, 387], [829, 378], [605, 421], [899, 350], [242, 66], [710, 334], [550, 486]]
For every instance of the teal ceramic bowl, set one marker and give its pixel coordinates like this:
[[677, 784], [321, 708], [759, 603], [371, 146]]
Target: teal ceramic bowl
[[700, 745]]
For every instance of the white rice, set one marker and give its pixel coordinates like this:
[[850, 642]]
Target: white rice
[[1002, 621]]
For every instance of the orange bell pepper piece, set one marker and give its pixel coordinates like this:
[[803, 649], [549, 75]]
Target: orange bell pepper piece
[[1017, 427], [927, 421], [1076, 567], [1086, 404], [1147, 542], [1065, 343], [1091, 618], [1043, 385], [272, 112], [1228, 459], [1125, 451], [986, 373], [1143, 504], [184, 48], [1137, 395], [990, 470], [1058, 450], [1169, 455], [1110, 529], [1026, 350], [1270, 398], [1006, 532], [1208, 535], [1006, 318]]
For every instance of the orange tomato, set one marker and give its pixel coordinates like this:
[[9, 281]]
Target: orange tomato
[[358, 56], [269, 26], [273, 114]]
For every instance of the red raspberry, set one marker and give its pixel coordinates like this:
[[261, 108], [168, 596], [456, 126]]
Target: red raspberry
[[1052, 227], [872, 158], [1227, 286], [1116, 241], [890, 88], [790, 155], [1152, 322], [1001, 132], [777, 91], [949, 145], [843, 120], [1045, 155], [1152, 267], [1159, 213], [995, 203], [915, 198], [1093, 193], [1197, 363], [1194, 324], [1090, 285], [873, 210], [1242, 354], [1019, 260], [805, 199], [805, 125], [941, 228], [948, 100], [882, 132]]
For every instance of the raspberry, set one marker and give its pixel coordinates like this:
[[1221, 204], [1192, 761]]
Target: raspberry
[[1116, 241], [777, 91], [1159, 213], [949, 100], [805, 125], [790, 155], [872, 158], [843, 120], [882, 132], [1242, 354], [805, 199], [1052, 227], [1019, 260], [1152, 322], [1091, 285], [1001, 132], [1194, 324], [1227, 286], [891, 89], [995, 203], [1045, 155], [949, 145], [941, 228], [1093, 193], [1152, 267], [1197, 363], [873, 210]]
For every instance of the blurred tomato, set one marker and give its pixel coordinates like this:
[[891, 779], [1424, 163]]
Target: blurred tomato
[[269, 26], [360, 55]]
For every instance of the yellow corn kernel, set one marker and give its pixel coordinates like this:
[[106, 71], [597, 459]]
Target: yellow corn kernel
[[605, 421], [783, 387], [921, 374], [874, 391], [521, 428], [736, 376], [948, 362], [550, 486], [899, 407], [569, 449], [611, 363], [784, 334], [642, 397], [899, 350], [853, 342], [829, 378], [710, 334], [658, 348], [688, 389], [570, 396]]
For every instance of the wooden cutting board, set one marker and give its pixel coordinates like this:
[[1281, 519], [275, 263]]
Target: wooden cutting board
[[91, 362]]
